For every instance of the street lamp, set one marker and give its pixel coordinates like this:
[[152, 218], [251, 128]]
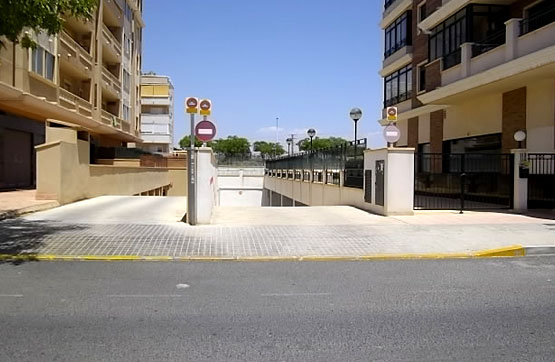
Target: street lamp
[[311, 133], [289, 143], [356, 115], [520, 136]]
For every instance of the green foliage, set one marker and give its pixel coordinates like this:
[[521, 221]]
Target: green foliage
[[185, 142], [319, 143], [231, 146], [39, 15], [268, 149]]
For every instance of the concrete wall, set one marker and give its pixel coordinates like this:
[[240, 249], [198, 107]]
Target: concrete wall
[[207, 185], [178, 180], [241, 186], [540, 114], [478, 116]]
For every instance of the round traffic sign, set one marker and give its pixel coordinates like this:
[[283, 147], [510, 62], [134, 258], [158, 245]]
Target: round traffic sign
[[392, 134], [191, 102], [205, 131], [205, 105], [392, 111]]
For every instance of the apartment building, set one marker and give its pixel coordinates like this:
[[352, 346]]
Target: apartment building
[[466, 75], [87, 77], [157, 114]]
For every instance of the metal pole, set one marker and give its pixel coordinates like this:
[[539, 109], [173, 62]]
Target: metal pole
[[355, 139], [277, 136], [191, 166], [310, 143]]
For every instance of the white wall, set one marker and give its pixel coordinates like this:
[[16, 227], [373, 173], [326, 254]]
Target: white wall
[[240, 186], [478, 116], [207, 185], [540, 114]]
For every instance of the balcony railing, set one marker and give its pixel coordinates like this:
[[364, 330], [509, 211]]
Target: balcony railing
[[452, 59], [538, 21], [111, 119], [394, 48], [388, 3], [111, 81], [491, 42], [75, 54], [74, 102], [111, 40]]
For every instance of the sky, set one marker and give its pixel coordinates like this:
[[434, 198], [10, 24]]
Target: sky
[[307, 62]]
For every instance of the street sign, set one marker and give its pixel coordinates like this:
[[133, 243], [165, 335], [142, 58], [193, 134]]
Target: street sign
[[392, 114], [392, 134], [191, 104], [205, 131], [205, 107]]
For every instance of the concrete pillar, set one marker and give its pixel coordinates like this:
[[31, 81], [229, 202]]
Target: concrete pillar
[[511, 39], [466, 58], [520, 193], [207, 185]]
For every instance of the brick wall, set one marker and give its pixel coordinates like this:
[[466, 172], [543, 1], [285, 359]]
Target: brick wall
[[433, 75], [412, 130], [436, 131], [419, 52], [514, 118]]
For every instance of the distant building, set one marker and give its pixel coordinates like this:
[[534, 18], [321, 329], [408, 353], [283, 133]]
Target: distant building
[[157, 116]]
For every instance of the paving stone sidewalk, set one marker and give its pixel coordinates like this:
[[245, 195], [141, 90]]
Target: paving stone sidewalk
[[180, 240]]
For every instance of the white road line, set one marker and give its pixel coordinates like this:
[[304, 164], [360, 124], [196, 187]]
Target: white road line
[[12, 295], [294, 294], [144, 295]]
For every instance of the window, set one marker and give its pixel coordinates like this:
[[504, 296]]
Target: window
[[126, 112], [422, 11], [43, 63], [421, 78], [398, 34], [398, 86], [126, 80], [447, 37]]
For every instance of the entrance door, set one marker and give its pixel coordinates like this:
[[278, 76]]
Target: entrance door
[[17, 154]]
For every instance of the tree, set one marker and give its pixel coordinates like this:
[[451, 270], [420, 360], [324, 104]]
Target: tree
[[268, 149], [232, 146], [319, 143], [185, 142], [38, 15]]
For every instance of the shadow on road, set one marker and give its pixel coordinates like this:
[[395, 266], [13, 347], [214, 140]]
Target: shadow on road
[[20, 239]]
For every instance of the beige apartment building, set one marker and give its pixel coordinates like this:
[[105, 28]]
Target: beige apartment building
[[86, 78], [157, 113], [466, 75]]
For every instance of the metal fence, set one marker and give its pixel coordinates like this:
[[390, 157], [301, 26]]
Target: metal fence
[[325, 165], [246, 160], [541, 180]]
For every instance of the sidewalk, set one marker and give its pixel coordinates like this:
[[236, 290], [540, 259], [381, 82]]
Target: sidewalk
[[19, 202], [315, 233]]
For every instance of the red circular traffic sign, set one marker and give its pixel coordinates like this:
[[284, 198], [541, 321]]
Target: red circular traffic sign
[[205, 131], [205, 105], [191, 102]]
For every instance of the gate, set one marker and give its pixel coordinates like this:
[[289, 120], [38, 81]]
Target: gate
[[463, 181], [541, 181]]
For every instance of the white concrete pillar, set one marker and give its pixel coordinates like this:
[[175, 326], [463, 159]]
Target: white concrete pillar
[[207, 185], [511, 38], [520, 193], [466, 58]]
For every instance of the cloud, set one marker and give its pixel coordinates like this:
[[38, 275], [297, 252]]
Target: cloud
[[271, 129]]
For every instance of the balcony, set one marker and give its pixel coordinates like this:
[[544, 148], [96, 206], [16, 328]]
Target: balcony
[[111, 46], [491, 64], [110, 119], [73, 56], [399, 59], [111, 84], [112, 14], [75, 103], [395, 9]]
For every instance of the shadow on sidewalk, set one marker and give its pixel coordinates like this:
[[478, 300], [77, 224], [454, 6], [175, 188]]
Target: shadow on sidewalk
[[21, 238]]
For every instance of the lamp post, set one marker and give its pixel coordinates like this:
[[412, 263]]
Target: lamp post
[[356, 115], [520, 136], [289, 143], [311, 133]]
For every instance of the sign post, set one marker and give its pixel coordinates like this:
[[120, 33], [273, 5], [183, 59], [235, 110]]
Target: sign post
[[191, 105]]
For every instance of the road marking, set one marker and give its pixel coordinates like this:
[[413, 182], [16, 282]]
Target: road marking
[[144, 295], [182, 286], [11, 295], [294, 294]]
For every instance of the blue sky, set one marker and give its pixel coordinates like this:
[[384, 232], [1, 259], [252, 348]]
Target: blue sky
[[307, 62]]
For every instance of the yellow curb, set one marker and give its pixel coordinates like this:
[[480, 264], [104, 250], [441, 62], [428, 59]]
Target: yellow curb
[[509, 251], [505, 252]]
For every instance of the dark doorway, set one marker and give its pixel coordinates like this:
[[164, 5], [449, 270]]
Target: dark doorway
[[17, 154]]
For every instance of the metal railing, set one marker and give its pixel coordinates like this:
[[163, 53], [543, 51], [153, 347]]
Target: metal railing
[[452, 59], [536, 22], [489, 43], [324, 165], [541, 178]]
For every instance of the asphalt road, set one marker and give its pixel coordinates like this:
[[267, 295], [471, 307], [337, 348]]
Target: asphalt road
[[461, 310]]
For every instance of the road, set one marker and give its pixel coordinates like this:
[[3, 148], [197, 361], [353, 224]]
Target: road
[[452, 310]]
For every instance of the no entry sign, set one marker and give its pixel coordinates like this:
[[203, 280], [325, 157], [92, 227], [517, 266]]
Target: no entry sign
[[205, 131]]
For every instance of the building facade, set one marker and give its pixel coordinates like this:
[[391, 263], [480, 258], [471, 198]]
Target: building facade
[[466, 75], [86, 77], [157, 114]]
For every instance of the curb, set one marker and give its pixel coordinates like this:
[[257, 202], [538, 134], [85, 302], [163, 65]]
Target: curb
[[11, 214], [506, 252]]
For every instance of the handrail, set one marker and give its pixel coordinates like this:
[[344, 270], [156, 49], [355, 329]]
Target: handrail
[[490, 42], [536, 22]]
